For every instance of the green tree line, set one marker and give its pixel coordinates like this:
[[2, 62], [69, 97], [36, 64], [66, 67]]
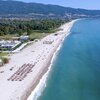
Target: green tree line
[[21, 26]]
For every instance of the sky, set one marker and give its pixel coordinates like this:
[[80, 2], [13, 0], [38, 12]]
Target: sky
[[86, 4]]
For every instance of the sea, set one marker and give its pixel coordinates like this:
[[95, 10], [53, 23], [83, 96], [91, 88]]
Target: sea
[[75, 70]]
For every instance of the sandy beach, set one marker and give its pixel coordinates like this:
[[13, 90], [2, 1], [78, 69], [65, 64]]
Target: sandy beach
[[21, 75]]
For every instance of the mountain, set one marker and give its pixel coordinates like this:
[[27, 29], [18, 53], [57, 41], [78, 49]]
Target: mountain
[[32, 10]]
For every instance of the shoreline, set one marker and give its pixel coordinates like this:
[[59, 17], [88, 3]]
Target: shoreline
[[40, 53], [34, 95]]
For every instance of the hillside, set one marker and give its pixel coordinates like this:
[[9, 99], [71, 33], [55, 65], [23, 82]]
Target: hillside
[[33, 10]]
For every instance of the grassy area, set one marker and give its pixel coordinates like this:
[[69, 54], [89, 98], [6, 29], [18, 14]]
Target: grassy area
[[7, 37], [3, 54], [36, 35]]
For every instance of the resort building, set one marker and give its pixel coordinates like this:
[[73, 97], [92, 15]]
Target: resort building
[[8, 45]]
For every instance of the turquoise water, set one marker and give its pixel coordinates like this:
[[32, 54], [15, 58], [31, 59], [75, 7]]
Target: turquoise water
[[75, 74]]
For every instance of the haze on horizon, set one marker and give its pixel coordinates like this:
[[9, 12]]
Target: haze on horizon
[[85, 4]]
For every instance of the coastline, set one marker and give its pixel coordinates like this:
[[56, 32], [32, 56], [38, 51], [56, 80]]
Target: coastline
[[42, 81], [22, 90]]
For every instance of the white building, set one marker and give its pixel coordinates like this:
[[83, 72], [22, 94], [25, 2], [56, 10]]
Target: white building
[[24, 38]]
